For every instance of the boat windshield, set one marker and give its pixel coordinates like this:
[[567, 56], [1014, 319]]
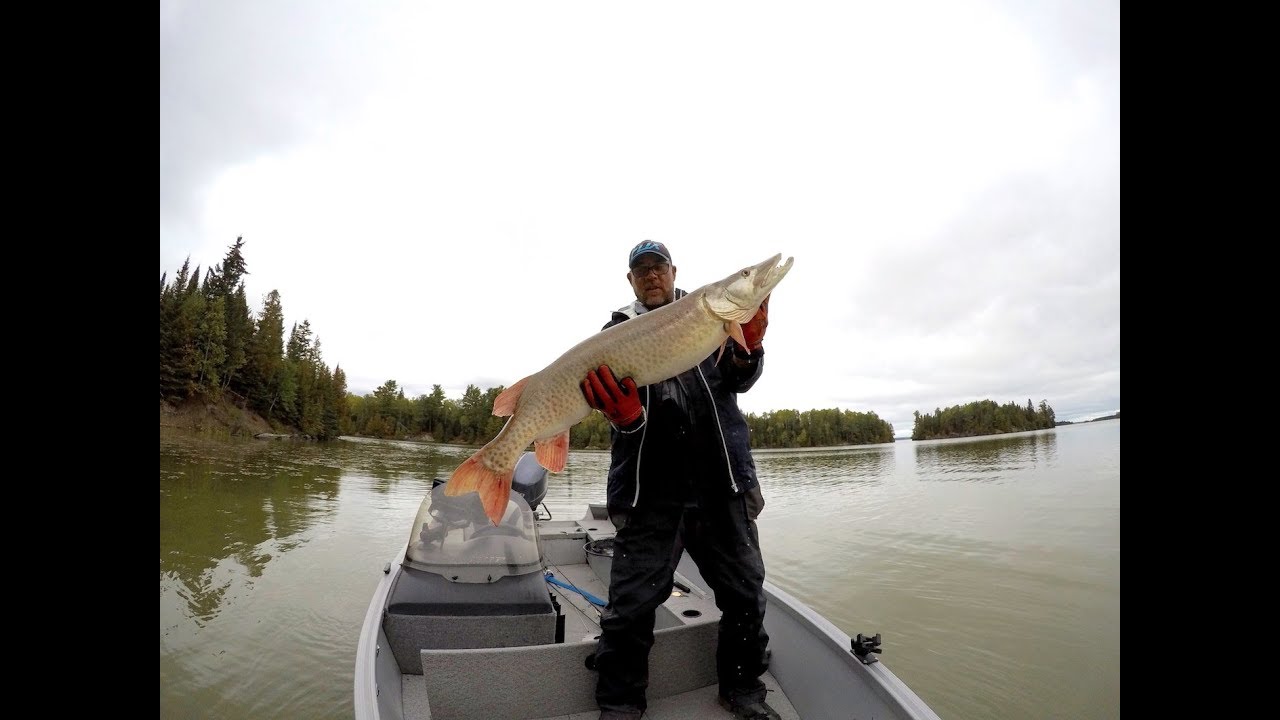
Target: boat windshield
[[453, 537]]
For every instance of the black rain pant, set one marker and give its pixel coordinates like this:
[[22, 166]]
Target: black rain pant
[[722, 540]]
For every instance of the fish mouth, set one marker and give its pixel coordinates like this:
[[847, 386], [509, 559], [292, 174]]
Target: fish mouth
[[769, 273], [744, 291]]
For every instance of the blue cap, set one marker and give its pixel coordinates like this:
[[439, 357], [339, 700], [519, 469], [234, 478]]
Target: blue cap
[[648, 246]]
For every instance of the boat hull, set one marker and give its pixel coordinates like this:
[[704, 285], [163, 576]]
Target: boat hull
[[813, 672]]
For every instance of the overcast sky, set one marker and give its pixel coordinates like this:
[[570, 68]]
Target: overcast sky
[[448, 191]]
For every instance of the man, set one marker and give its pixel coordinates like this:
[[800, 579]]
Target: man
[[681, 476]]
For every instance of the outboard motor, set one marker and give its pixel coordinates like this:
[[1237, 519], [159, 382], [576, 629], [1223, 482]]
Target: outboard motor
[[530, 480], [466, 582]]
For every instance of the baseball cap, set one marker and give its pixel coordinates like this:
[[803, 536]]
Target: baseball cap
[[648, 246]]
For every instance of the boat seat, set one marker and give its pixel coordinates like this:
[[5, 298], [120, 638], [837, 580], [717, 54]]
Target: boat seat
[[426, 610]]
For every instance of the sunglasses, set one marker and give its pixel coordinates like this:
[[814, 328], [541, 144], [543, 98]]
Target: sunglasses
[[643, 270]]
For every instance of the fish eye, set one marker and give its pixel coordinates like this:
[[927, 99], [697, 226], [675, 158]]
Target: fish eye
[[746, 273]]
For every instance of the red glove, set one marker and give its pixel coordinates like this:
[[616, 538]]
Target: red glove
[[753, 330], [620, 404]]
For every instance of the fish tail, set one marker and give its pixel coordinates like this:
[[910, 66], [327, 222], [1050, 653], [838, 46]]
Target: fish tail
[[494, 486]]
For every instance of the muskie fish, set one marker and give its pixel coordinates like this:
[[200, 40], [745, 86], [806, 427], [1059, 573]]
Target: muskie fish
[[650, 348]]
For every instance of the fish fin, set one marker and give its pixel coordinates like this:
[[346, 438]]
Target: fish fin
[[552, 453], [720, 354], [735, 331], [494, 487], [505, 403]]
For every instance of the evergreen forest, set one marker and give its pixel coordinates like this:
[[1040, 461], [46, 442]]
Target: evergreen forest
[[982, 418], [212, 346]]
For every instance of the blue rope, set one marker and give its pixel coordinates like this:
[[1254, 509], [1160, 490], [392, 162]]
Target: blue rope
[[590, 598]]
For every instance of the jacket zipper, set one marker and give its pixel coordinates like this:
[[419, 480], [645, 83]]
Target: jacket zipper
[[715, 412]]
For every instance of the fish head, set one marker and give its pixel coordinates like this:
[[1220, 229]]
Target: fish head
[[737, 297]]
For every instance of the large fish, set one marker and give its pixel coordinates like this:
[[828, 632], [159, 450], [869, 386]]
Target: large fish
[[649, 348]]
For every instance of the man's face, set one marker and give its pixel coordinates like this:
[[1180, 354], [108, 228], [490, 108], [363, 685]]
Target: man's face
[[653, 279]]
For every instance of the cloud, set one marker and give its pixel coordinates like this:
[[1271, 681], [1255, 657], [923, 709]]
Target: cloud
[[446, 191]]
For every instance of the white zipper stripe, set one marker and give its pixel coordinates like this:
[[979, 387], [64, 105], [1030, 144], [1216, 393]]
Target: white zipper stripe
[[733, 482], [640, 451]]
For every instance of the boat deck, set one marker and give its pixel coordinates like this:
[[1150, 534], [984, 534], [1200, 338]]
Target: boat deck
[[700, 704], [582, 621], [683, 654]]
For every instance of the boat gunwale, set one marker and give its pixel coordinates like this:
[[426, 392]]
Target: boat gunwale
[[368, 648], [895, 692]]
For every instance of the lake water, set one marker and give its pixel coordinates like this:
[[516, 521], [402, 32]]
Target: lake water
[[990, 566]]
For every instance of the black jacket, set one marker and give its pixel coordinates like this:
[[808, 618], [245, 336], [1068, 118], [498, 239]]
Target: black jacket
[[694, 439]]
